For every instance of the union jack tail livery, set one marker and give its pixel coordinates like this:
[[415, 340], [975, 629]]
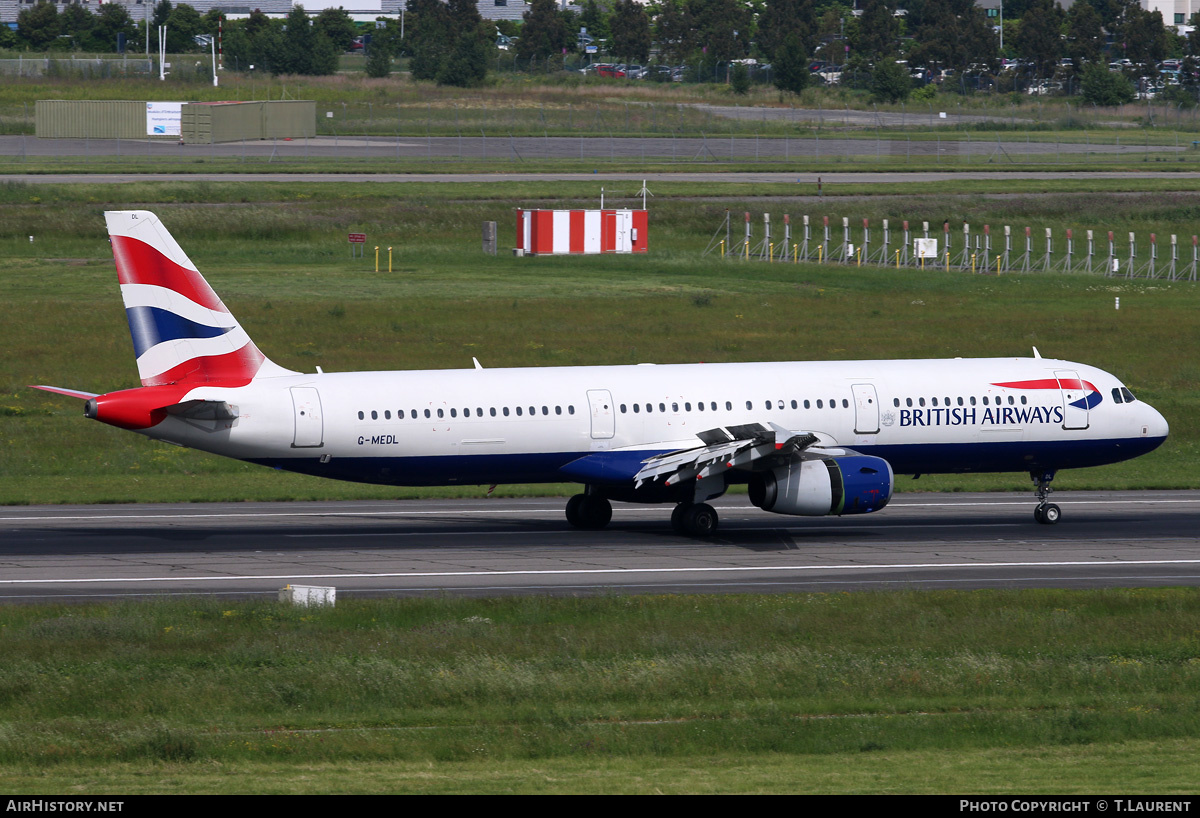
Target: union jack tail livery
[[182, 333]]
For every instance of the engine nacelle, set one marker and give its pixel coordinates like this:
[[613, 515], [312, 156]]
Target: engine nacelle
[[854, 484]]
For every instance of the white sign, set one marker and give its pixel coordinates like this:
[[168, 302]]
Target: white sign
[[925, 248], [163, 118]]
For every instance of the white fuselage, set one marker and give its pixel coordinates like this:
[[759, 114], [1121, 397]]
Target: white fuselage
[[439, 427]]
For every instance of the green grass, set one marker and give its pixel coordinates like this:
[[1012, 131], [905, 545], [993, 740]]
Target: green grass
[[906, 692], [276, 253]]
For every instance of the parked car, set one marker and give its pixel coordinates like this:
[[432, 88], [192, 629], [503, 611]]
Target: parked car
[[1045, 89]]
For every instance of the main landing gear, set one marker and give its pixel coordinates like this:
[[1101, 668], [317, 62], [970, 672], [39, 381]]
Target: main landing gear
[[694, 520], [589, 511], [1045, 513]]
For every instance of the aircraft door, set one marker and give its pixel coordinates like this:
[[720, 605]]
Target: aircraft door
[[604, 420], [1074, 395], [866, 409], [310, 428]]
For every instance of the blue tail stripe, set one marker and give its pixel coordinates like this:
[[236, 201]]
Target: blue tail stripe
[[150, 326]]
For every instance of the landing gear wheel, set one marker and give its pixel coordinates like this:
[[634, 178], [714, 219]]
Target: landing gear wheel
[[588, 511], [574, 513], [677, 519], [1047, 514], [699, 520]]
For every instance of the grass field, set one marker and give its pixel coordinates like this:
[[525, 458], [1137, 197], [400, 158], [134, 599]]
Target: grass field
[[278, 257], [1007, 691]]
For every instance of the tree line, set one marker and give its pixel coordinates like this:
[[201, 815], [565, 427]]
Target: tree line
[[447, 41]]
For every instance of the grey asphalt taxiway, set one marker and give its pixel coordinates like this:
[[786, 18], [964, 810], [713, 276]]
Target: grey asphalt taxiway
[[506, 546]]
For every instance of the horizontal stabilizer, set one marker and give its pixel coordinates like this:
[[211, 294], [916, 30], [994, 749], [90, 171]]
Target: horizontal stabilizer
[[70, 393], [204, 410]]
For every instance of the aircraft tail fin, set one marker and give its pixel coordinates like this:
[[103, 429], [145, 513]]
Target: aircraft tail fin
[[182, 333]]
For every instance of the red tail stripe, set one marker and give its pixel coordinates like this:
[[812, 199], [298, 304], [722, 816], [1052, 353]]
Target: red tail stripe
[[231, 369], [140, 263]]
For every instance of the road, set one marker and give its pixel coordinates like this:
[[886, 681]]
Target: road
[[502, 546]]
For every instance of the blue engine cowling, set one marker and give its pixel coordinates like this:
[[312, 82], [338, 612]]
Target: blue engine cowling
[[853, 484]]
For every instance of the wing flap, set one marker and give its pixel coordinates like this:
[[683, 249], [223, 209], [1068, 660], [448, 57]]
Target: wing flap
[[748, 446]]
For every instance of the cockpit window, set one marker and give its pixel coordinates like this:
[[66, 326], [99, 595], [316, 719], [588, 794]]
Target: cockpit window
[[1129, 398], [1117, 395]]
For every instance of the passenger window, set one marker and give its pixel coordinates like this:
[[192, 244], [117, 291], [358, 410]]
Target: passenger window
[[387, 414], [795, 405], [518, 411], [558, 409], [505, 410], [649, 408], [662, 407], [546, 409], [622, 408], [636, 408], [1024, 400], [571, 409], [674, 407], [845, 403], [361, 416], [972, 400], [700, 406], [960, 401], [374, 415], [492, 411], [713, 406], [920, 401], [819, 404], [935, 401], [426, 413], [908, 401], [985, 400], [1011, 401], [453, 413], [687, 407], [748, 405], [441, 413], [807, 405]]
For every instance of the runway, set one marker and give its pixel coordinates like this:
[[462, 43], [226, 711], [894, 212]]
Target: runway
[[500, 546]]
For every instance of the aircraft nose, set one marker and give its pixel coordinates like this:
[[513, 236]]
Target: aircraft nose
[[1154, 425]]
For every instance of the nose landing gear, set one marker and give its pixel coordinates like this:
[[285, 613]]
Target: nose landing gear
[[1046, 513]]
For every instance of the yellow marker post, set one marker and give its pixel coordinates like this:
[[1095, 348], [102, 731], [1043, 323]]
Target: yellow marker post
[[998, 270], [771, 252], [377, 258], [820, 253], [897, 259], [947, 261], [389, 259], [858, 256], [972, 263], [746, 251], [722, 248], [795, 258]]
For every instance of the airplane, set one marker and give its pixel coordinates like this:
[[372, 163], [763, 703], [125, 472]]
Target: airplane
[[808, 438]]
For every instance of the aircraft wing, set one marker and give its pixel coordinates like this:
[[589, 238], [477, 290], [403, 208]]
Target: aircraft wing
[[750, 446]]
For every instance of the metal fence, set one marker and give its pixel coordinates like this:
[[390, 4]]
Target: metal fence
[[96, 68], [1108, 253]]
